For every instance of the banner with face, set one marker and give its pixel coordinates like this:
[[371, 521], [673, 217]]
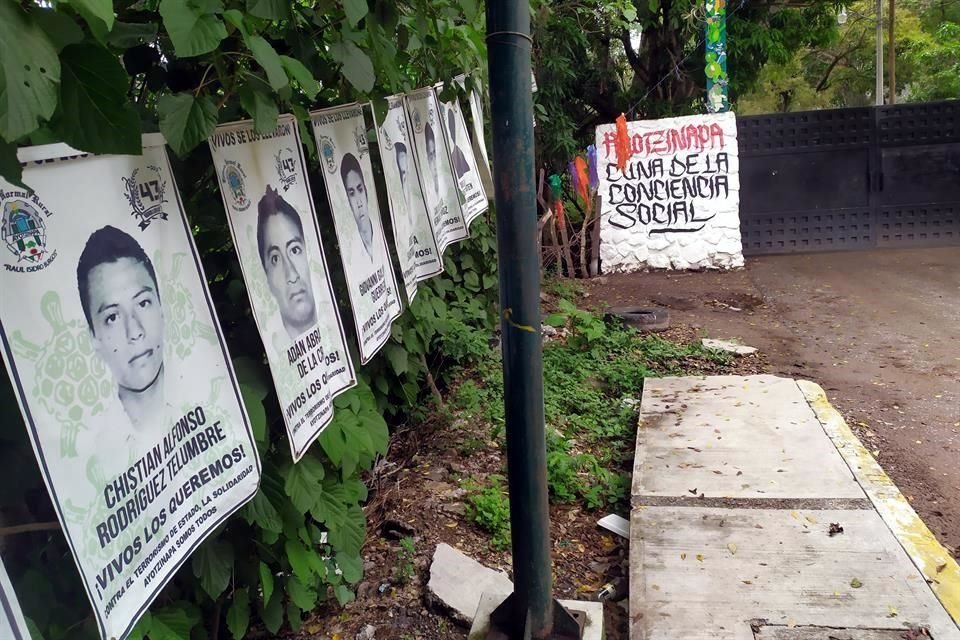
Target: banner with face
[[464, 165], [12, 624], [121, 372], [440, 188], [348, 175], [479, 139], [412, 231], [274, 228]]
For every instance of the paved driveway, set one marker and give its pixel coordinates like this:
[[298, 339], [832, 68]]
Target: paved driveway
[[879, 330]]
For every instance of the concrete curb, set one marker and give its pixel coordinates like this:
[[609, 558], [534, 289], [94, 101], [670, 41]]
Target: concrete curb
[[916, 539]]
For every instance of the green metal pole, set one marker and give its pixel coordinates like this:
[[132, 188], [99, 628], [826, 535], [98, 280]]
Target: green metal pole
[[530, 611]]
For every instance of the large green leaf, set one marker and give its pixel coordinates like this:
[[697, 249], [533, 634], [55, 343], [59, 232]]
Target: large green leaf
[[397, 356], [129, 34], [302, 483], [357, 67], [269, 9], [172, 623], [273, 613], [10, 168], [186, 120], [95, 114], [194, 29], [267, 56], [331, 508], [302, 596], [258, 416], [266, 581], [97, 13], [59, 27], [262, 512], [351, 565], [238, 617], [348, 538], [356, 10], [261, 107], [344, 594], [213, 565], [376, 427], [298, 72], [29, 73], [299, 558]]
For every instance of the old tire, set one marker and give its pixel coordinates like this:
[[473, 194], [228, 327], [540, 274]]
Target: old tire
[[643, 318]]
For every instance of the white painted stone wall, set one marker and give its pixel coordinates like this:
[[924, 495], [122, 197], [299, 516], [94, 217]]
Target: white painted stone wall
[[676, 204]]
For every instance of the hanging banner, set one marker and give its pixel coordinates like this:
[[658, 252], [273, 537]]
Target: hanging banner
[[674, 202], [341, 137], [464, 165], [440, 188], [412, 231], [274, 227], [120, 370], [12, 624], [479, 139]]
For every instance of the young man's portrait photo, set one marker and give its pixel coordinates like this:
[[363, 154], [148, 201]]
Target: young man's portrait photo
[[460, 164], [355, 186], [121, 302], [283, 254], [430, 142]]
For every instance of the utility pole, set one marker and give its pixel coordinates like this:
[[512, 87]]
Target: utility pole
[[893, 54], [879, 88], [530, 611]]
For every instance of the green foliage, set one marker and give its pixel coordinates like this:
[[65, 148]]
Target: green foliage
[[490, 510], [406, 569]]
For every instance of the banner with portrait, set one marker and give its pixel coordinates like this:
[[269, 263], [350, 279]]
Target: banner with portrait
[[12, 624], [440, 189], [479, 138], [462, 161], [273, 222], [120, 369], [341, 137], [412, 231]]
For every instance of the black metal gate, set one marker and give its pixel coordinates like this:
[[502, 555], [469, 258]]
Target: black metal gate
[[850, 178]]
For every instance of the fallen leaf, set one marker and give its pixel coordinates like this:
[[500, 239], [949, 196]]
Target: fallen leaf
[[855, 583], [794, 515], [683, 556], [811, 520], [451, 525], [941, 567], [733, 549], [835, 528], [692, 491], [893, 612], [700, 557]]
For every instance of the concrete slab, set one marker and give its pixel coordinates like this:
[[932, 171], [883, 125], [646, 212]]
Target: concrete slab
[[457, 582], [747, 437], [708, 572], [489, 601]]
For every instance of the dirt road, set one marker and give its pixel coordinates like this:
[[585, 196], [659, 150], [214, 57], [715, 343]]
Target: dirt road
[[879, 330]]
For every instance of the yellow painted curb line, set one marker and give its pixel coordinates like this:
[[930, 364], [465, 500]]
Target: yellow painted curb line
[[937, 566]]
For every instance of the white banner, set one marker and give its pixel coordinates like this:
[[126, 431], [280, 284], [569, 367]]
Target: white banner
[[341, 137], [12, 624], [479, 140], [120, 369], [440, 188], [464, 165], [676, 203], [412, 231], [274, 227]]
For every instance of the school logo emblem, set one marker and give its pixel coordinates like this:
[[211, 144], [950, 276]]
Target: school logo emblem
[[233, 180], [328, 153], [360, 138], [24, 232], [286, 165], [145, 192]]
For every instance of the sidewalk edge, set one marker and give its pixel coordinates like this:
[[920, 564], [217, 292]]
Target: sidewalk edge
[[937, 566]]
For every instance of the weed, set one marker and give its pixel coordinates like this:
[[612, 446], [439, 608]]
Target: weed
[[564, 288], [490, 510], [405, 568]]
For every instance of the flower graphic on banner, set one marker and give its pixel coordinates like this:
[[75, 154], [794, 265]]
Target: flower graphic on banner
[[715, 61], [70, 379]]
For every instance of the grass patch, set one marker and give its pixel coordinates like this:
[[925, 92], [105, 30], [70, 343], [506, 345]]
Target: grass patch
[[593, 378]]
